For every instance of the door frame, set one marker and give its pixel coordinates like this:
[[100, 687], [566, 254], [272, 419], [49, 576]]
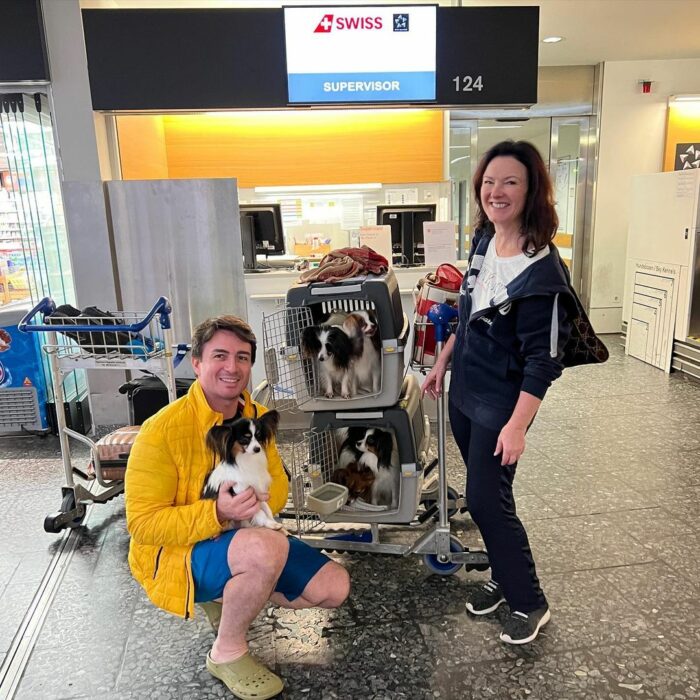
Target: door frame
[[580, 223]]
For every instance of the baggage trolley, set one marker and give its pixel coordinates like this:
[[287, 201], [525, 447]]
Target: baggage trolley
[[120, 340], [317, 503]]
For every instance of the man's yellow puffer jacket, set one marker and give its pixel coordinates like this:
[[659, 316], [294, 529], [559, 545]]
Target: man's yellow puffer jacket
[[164, 513]]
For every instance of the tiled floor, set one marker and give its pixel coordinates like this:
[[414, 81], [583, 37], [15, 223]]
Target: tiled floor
[[608, 489]]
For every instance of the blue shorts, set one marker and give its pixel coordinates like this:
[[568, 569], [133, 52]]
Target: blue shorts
[[211, 571]]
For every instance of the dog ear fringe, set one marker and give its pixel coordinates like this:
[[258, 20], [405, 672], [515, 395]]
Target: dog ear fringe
[[217, 441], [310, 343], [271, 419]]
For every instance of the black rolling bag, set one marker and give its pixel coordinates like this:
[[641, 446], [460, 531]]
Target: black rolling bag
[[147, 395]]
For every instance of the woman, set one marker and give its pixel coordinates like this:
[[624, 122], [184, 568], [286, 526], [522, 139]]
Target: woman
[[505, 354]]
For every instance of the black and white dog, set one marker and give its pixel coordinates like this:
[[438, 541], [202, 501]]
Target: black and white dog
[[239, 449], [361, 328], [372, 448], [333, 349], [347, 440]]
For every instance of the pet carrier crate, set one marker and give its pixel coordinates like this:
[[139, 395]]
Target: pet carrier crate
[[294, 375], [316, 457], [327, 519]]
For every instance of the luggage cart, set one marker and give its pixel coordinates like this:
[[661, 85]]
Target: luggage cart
[[122, 340], [319, 505]]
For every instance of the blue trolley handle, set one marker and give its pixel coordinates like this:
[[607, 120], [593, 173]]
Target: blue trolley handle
[[46, 307], [440, 316]]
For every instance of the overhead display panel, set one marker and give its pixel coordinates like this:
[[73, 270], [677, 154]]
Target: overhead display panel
[[362, 54], [237, 59]]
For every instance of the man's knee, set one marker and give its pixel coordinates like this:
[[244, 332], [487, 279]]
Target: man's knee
[[340, 590], [258, 550], [330, 587]]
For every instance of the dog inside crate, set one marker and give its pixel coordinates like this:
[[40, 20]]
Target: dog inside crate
[[343, 349], [368, 465]]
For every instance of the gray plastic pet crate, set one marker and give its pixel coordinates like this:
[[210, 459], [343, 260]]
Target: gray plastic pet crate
[[315, 458], [293, 378]]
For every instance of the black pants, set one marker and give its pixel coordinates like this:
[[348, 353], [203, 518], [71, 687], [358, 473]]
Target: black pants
[[491, 505]]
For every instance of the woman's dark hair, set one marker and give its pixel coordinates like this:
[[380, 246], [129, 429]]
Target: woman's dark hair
[[540, 220]]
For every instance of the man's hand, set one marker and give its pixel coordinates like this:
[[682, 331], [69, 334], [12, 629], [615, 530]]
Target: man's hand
[[242, 506]]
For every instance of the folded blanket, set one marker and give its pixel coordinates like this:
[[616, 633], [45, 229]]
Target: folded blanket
[[343, 263]]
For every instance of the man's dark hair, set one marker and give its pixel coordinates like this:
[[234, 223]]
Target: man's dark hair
[[540, 221], [205, 331]]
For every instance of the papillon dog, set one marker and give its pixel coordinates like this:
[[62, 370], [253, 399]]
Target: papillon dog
[[376, 448], [347, 439], [358, 479], [362, 330], [239, 449], [335, 355]]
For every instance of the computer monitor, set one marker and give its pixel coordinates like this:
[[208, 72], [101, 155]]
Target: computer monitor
[[406, 222], [261, 232]]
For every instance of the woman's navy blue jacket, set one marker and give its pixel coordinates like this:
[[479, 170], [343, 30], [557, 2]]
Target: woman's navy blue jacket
[[514, 345]]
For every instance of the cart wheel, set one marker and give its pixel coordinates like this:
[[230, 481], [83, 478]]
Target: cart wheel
[[452, 495], [55, 522], [51, 524], [447, 568], [68, 506]]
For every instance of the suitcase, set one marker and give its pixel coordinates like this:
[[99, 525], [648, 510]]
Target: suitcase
[[113, 450], [147, 395]]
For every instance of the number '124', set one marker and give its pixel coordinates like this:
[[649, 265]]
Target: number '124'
[[467, 83]]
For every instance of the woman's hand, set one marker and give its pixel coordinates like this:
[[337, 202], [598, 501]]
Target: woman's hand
[[510, 444], [432, 386]]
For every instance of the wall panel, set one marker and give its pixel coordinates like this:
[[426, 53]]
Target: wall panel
[[288, 148], [142, 149]]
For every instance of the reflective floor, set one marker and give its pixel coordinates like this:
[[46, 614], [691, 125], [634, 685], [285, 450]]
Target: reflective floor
[[608, 490]]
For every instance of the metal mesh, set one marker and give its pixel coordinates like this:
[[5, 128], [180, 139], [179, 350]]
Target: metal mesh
[[290, 376], [293, 378], [103, 345], [314, 458]]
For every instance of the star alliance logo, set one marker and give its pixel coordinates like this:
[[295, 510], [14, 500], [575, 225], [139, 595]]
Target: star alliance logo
[[401, 23], [687, 156]]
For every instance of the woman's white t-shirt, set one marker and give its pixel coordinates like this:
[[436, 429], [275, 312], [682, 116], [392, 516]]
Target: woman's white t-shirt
[[496, 273]]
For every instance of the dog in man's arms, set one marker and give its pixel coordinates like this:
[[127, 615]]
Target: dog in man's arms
[[239, 449]]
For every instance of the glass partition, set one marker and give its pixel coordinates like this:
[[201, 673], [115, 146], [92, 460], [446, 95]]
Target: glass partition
[[34, 254]]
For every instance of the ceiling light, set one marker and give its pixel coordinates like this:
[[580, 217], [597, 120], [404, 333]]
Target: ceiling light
[[552, 39], [320, 188], [684, 98]]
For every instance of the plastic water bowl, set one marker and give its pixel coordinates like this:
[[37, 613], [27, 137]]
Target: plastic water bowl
[[327, 499]]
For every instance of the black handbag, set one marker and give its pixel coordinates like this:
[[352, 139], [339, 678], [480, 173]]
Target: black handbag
[[583, 347]]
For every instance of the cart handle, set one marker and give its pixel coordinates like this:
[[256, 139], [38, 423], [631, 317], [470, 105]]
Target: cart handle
[[46, 307], [441, 315]]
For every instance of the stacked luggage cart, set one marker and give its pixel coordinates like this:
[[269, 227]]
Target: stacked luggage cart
[[326, 515], [122, 340]]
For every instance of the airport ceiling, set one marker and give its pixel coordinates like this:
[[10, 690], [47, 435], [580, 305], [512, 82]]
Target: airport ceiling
[[593, 30]]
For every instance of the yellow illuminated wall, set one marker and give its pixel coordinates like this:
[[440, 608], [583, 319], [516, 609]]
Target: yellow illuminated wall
[[683, 126], [286, 148]]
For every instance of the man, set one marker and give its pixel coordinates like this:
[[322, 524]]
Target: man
[[178, 552]]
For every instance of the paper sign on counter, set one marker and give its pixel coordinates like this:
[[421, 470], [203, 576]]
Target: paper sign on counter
[[439, 242], [378, 238]]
